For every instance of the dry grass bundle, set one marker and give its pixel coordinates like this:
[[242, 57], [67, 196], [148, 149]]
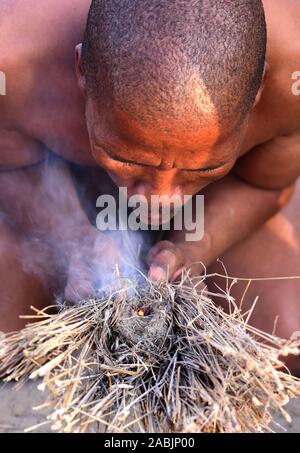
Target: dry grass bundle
[[153, 358]]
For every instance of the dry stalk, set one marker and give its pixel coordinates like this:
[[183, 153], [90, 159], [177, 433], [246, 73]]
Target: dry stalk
[[152, 358]]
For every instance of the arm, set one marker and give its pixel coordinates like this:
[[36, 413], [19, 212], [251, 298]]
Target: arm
[[41, 200], [234, 210], [235, 207]]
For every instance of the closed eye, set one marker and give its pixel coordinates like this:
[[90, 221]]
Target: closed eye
[[120, 160], [207, 169], [129, 162]]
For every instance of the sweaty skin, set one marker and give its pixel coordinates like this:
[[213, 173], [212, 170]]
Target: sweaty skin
[[247, 178]]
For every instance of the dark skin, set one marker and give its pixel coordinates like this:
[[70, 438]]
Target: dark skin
[[248, 175], [185, 161]]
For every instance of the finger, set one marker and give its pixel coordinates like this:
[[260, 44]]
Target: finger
[[157, 274], [158, 248], [178, 274], [163, 265]]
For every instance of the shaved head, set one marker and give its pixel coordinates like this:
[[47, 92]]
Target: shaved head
[[176, 59]]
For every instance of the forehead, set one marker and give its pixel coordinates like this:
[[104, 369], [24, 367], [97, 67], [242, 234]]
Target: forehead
[[163, 110], [160, 131], [185, 142]]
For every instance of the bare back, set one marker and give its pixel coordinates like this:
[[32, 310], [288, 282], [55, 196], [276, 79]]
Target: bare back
[[43, 109]]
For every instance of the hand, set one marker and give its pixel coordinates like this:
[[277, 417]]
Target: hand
[[167, 260], [92, 265]]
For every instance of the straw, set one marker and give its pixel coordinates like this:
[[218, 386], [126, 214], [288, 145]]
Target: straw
[[148, 357]]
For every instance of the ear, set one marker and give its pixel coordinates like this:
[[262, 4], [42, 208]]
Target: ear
[[262, 85], [79, 68]]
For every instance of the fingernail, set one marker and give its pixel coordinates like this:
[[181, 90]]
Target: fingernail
[[157, 273]]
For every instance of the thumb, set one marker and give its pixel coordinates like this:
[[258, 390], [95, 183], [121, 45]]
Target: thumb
[[157, 273], [162, 266]]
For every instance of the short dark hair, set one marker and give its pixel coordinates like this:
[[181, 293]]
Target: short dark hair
[[142, 52]]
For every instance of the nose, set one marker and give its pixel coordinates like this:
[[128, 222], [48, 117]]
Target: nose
[[165, 193], [159, 203], [161, 184]]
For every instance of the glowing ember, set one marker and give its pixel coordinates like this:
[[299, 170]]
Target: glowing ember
[[141, 312]]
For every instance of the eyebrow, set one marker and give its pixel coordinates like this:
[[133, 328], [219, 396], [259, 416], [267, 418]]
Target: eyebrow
[[129, 161]]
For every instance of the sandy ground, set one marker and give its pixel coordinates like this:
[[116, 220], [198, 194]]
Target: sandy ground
[[16, 413]]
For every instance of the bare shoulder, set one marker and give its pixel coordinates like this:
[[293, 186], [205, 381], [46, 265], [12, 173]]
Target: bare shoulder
[[283, 49], [32, 33], [278, 112], [35, 27], [289, 72], [35, 36]]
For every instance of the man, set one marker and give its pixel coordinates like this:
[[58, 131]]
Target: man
[[176, 97]]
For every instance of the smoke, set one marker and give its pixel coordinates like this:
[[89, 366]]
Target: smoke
[[55, 214]]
